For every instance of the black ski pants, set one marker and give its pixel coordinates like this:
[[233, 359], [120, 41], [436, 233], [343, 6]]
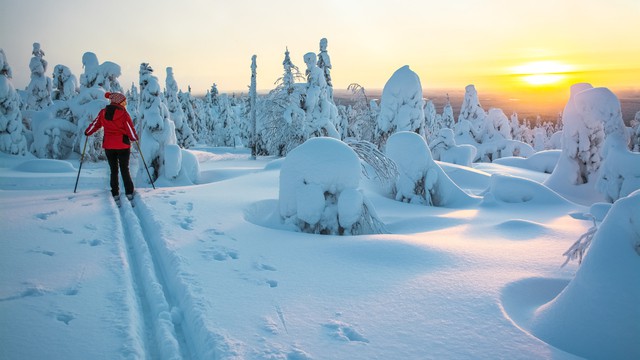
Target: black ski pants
[[119, 158]]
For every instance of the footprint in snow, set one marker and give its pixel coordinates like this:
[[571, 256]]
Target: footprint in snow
[[343, 331], [60, 230], [220, 253], [43, 252], [65, 317], [45, 216]]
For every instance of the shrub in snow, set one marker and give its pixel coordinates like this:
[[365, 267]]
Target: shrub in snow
[[319, 190], [156, 129], [582, 140], [321, 112], [12, 134], [619, 172], [597, 315], [360, 118], [420, 179], [53, 137], [401, 106], [443, 148]]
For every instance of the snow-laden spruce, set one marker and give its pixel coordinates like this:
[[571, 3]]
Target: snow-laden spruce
[[401, 106], [597, 315], [282, 120], [166, 161], [581, 144], [321, 112], [420, 179], [12, 133], [472, 115], [38, 91], [184, 134], [490, 132], [619, 172], [320, 190]]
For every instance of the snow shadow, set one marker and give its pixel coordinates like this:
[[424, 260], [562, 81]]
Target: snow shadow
[[521, 299]]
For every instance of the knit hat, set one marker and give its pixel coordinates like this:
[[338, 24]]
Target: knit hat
[[116, 98]]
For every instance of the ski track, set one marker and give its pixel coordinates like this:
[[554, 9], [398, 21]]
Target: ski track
[[162, 339], [175, 317]]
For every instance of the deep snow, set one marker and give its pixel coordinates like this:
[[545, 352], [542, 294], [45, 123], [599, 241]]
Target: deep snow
[[205, 271]]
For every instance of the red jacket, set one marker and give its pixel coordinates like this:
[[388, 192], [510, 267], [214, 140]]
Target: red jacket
[[118, 127]]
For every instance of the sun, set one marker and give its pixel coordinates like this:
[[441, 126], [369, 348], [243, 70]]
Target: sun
[[539, 73]]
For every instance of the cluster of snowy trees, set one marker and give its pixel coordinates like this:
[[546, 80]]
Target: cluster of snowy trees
[[48, 119]]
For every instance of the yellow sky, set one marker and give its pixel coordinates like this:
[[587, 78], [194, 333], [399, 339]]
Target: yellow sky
[[449, 43]]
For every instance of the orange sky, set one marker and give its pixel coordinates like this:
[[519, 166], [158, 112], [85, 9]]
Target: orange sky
[[448, 43]]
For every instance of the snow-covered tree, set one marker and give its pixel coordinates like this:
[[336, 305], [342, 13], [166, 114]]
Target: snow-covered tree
[[431, 119], [321, 112], [421, 180], [320, 191], [156, 130], [635, 133], [109, 72], [324, 63], [283, 121], [539, 139], [86, 106], [91, 75], [582, 141], [253, 95], [448, 120], [12, 133], [497, 125], [65, 84], [133, 102], [619, 173], [444, 148], [401, 106], [39, 88], [184, 134], [472, 111], [360, 119]]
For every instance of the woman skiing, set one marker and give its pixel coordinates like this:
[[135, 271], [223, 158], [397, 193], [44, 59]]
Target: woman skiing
[[118, 135]]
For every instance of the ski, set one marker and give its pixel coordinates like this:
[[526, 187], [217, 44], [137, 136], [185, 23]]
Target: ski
[[130, 197], [117, 200]]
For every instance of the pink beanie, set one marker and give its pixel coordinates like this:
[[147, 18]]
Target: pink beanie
[[116, 98]]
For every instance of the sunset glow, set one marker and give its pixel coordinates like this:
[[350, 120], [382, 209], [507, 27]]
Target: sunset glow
[[539, 73], [508, 47]]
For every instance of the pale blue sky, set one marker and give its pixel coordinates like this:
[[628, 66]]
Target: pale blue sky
[[449, 43]]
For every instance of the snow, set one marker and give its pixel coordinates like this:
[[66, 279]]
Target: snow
[[198, 270]]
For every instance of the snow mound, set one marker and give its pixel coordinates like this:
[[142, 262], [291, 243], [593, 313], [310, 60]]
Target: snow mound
[[421, 180], [597, 314], [542, 161], [319, 190], [521, 229], [45, 166], [513, 189]]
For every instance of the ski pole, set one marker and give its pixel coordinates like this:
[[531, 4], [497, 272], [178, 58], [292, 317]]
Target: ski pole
[[86, 139], [145, 164]]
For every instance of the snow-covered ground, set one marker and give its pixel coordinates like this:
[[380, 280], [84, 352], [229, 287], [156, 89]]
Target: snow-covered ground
[[204, 272]]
